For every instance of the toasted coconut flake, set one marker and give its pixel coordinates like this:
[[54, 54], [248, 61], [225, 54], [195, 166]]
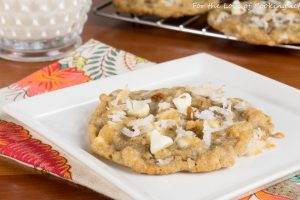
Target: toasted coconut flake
[[216, 94], [117, 116], [142, 124], [120, 99], [130, 133]]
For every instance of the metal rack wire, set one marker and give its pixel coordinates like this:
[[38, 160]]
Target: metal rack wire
[[185, 24]]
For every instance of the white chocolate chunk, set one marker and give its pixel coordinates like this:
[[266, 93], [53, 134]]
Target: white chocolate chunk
[[183, 102], [138, 108], [205, 115], [158, 141], [258, 9], [182, 137], [237, 8]]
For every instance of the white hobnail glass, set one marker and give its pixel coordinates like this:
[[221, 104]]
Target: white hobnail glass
[[40, 30]]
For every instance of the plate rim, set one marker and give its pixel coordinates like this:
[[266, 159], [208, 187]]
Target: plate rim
[[138, 194]]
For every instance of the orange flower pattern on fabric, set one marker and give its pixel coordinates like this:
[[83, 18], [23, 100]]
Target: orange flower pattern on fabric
[[263, 195], [17, 143], [51, 78]]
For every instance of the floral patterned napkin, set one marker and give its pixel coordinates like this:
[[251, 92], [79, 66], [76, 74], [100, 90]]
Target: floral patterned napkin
[[89, 62], [92, 61]]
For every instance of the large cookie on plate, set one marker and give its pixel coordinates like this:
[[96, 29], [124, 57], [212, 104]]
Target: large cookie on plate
[[258, 22], [176, 129], [165, 8]]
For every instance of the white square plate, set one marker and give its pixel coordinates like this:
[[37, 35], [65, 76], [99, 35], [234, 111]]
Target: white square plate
[[62, 117]]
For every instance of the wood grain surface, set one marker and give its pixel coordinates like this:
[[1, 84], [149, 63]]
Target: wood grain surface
[[157, 45]]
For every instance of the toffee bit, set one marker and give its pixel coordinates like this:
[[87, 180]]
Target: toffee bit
[[157, 97], [190, 112], [278, 135], [270, 145]]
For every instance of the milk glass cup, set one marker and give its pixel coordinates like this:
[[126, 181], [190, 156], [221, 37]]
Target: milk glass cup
[[40, 30]]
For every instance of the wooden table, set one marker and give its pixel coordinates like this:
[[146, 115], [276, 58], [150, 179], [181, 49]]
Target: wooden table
[[17, 182]]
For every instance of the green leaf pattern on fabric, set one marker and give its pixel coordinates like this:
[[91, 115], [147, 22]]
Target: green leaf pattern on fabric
[[98, 60], [296, 179]]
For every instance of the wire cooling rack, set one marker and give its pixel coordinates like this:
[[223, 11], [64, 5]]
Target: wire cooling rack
[[194, 25]]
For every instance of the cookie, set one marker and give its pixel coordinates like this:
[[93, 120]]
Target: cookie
[[258, 22], [168, 130], [165, 8]]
